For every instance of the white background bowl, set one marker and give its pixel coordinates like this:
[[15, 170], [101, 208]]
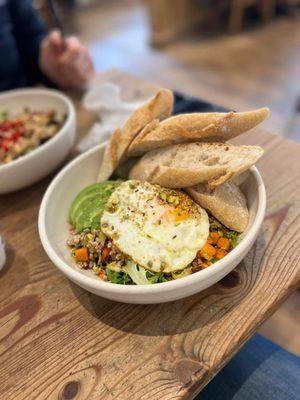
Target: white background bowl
[[35, 165], [54, 230]]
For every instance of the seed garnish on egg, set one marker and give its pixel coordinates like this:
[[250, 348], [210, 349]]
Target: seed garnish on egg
[[159, 229]]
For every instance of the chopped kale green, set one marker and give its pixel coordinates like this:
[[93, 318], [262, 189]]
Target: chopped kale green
[[121, 277], [156, 277]]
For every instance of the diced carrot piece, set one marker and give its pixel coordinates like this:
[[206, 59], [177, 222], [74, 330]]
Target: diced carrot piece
[[208, 251], [220, 254], [224, 243], [105, 253], [213, 238], [82, 254]]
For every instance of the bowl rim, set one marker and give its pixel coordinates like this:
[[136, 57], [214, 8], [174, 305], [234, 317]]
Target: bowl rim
[[97, 285], [45, 146]]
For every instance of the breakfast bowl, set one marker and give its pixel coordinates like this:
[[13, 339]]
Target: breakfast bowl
[[54, 232], [40, 161]]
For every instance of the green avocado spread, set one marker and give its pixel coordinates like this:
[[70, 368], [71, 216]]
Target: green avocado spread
[[88, 206]]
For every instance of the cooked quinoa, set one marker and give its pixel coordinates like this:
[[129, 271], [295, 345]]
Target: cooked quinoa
[[101, 250]]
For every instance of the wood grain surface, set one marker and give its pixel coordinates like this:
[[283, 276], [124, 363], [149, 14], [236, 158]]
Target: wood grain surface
[[58, 341]]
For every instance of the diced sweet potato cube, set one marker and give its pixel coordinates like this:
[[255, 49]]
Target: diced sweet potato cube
[[82, 254], [208, 251], [220, 254], [213, 238], [224, 243]]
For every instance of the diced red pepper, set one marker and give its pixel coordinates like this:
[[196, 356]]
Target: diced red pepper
[[5, 145]]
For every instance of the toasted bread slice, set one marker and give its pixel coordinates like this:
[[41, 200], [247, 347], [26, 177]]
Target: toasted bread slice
[[157, 108], [187, 164], [196, 127], [110, 159], [226, 203]]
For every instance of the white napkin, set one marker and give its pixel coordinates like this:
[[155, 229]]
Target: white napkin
[[2, 253], [105, 99]]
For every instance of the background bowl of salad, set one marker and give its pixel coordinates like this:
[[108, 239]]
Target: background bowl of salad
[[54, 231], [37, 131]]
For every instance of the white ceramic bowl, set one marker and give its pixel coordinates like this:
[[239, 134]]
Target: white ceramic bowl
[[35, 165], [53, 230]]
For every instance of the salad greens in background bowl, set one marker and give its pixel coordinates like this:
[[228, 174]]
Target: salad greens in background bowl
[[37, 132], [69, 224]]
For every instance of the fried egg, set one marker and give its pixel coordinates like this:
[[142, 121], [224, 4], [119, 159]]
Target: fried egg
[[159, 229]]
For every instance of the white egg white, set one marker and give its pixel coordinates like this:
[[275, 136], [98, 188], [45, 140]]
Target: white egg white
[[158, 228]]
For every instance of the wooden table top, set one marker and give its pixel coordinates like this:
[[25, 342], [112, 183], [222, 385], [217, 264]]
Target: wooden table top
[[58, 341]]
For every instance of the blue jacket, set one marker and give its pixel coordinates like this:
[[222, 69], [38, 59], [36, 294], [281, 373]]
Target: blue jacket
[[21, 32]]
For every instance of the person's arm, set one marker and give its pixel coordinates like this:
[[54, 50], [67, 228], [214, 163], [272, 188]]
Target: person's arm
[[29, 31]]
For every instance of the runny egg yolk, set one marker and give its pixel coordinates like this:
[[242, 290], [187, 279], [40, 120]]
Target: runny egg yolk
[[176, 214]]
